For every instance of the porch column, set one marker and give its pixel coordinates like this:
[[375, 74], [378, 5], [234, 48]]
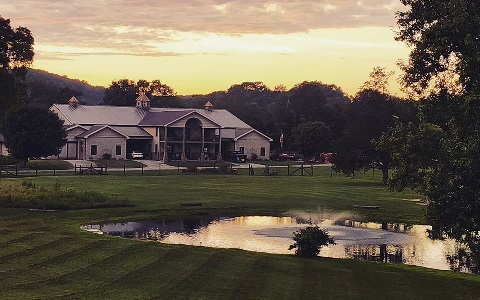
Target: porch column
[[219, 156], [183, 157], [165, 147], [202, 155]]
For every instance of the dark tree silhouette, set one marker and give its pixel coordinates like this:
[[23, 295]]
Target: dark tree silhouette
[[33, 132]]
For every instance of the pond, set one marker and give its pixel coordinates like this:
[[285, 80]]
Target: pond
[[386, 242]]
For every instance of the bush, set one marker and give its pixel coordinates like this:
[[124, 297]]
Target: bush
[[106, 156], [309, 241], [49, 164], [8, 160]]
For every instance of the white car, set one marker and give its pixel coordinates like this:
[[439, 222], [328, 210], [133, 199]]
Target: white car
[[135, 154]]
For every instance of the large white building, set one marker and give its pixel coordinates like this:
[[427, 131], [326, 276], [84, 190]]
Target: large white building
[[159, 133]]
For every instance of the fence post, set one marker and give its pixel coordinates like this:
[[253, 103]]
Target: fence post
[[54, 170], [331, 172], [302, 169], [288, 169], [106, 169], [373, 173], [142, 169], [16, 170], [124, 169], [159, 169], [36, 171], [311, 170]]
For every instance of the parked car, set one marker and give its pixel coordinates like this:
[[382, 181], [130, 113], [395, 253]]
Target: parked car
[[236, 156], [136, 154]]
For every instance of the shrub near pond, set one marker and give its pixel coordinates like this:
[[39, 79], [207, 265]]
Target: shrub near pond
[[310, 240], [28, 195]]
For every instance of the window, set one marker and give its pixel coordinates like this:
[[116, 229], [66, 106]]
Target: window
[[242, 150], [93, 150], [118, 150], [262, 151]]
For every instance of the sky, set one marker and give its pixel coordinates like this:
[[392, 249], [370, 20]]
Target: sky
[[201, 46]]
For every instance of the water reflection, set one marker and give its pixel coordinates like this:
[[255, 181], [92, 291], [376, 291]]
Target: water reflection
[[382, 242]]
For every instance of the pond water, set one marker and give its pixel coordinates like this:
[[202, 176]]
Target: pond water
[[386, 242]]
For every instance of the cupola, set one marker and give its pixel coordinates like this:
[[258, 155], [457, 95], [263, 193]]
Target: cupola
[[143, 101], [73, 101], [208, 106]]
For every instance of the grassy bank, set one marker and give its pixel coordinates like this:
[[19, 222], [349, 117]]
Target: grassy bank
[[44, 255]]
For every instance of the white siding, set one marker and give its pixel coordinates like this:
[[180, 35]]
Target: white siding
[[106, 141], [228, 133], [252, 144], [3, 150]]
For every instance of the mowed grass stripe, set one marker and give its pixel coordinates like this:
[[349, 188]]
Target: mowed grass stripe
[[21, 246], [154, 279], [40, 252], [253, 281], [12, 237], [219, 276], [36, 278], [136, 257]]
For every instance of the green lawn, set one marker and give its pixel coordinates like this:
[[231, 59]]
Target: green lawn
[[44, 255]]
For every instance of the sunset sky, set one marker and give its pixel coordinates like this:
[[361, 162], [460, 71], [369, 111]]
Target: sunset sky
[[200, 46]]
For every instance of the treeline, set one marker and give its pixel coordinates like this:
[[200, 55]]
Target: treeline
[[313, 117]]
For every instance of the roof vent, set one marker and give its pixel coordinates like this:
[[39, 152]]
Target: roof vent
[[73, 101], [208, 106], [143, 101]]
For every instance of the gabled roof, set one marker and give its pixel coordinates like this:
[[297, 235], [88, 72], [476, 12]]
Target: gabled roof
[[127, 132], [97, 128], [162, 118], [73, 101], [143, 98], [243, 133], [70, 127], [94, 115], [133, 116], [132, 132]]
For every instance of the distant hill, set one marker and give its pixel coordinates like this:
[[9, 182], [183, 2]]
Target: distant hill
[[58, 89]]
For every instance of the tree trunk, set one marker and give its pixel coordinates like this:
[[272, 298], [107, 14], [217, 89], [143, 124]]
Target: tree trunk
[[385, 174]]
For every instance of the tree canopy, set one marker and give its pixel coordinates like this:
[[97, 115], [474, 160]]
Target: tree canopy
[[123, 92], [445, 37], [16, 54], [371, 112], [439, 156], [33, 132]]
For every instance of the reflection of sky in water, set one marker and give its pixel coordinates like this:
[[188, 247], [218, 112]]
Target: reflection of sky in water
[[368, 241]]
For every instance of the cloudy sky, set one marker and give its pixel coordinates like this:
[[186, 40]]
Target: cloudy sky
[[200, 46]]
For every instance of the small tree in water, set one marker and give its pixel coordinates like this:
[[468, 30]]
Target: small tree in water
[[309, 241]]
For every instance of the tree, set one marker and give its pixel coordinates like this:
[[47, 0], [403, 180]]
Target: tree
[[45, 94], [439, 159], [378, 80], [311, 138], [314, 101], [16, 54], [33, 132], [444, 35], [368, 116], [158, 89], [122, 92], [310, 240]]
